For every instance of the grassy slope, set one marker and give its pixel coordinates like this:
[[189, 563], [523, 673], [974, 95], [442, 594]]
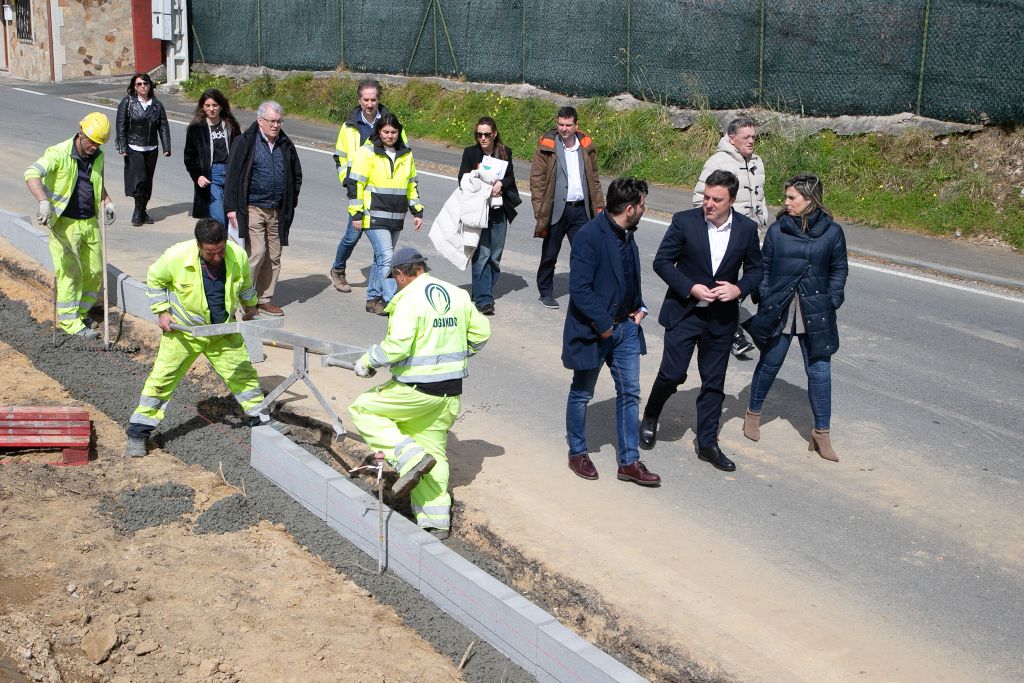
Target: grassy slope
[[969, 183]]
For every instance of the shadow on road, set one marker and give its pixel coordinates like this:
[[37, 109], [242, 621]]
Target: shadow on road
[[159, 213], [300, 289], [465, 458]]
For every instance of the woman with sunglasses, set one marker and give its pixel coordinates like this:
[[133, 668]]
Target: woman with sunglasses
[[805, 270], [140, 120], [486, 261], [207, 143]]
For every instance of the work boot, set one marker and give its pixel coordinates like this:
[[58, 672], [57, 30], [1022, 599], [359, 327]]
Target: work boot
[[407, 482], [375, 306], [440, 534], [135, 448], [139, 214], [339, 281], [87, 333]]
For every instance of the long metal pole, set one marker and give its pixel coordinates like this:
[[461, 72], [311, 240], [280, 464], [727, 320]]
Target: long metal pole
[[103, 249]]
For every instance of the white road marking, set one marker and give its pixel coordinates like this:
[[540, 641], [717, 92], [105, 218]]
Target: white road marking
[[655, 221], [30, 92]]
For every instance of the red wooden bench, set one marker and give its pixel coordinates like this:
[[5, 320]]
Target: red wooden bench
[[47, 427]]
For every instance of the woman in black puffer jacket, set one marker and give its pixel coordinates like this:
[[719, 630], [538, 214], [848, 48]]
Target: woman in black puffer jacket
[[805, 269], [141, 121]]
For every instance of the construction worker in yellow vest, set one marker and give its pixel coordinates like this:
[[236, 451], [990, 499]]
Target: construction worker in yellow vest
[[198, 282], [67, 181], [433, 329]]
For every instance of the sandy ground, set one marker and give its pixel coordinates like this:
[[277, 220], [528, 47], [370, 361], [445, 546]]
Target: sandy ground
[[106, 573]]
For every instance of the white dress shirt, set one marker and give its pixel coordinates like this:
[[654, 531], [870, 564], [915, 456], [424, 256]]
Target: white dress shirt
[[718, 240], [574, 193]]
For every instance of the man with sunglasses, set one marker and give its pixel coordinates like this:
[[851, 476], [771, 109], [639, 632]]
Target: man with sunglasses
[[261, 191]]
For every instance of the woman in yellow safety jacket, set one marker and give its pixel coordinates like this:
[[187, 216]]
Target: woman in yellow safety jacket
[[381, 191]]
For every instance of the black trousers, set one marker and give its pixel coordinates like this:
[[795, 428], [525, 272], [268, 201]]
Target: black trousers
[[573, 218], [139, 168], [713, 350]]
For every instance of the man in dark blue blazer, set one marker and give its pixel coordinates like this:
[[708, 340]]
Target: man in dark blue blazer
[[602, 327], [700, 259]]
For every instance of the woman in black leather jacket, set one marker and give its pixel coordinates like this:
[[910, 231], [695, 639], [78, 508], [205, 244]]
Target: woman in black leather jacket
[[805, 269], [140, 120]]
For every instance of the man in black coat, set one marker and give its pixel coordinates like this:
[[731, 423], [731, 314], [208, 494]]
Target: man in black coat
[[261, 191], [700, 259]]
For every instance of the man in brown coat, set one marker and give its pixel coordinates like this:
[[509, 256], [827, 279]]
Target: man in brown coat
[[566, 193]]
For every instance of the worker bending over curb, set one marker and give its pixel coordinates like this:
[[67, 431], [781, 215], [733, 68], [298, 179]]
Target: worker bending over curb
[[433, 329], [198, 282], [67, 181]]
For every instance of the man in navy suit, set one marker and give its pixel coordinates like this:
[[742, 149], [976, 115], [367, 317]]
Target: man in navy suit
[[602, 327], [700, 259]]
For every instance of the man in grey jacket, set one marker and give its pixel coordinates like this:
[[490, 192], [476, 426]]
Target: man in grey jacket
[[735, 154]]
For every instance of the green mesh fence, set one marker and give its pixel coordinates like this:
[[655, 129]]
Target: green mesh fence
[[949, 59]]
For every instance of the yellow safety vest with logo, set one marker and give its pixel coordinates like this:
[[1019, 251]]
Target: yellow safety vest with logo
[[59, 174], [383, 190], [433, 329], [175, 283], [350, 140]]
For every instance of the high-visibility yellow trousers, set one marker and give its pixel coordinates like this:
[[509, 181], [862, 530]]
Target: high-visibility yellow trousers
[[78, 264], [178, 350], [406, 424]]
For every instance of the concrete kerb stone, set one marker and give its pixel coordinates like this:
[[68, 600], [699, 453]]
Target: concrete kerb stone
[[513, 625], [526, 634]]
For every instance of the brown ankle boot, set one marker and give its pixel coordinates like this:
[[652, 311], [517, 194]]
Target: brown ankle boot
[[821, 442], [752, 425]]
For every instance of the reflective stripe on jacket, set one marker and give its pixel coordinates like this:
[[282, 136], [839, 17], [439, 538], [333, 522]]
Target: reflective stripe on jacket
[[59, 174], [433, 329], [383, 191], [175, 283]]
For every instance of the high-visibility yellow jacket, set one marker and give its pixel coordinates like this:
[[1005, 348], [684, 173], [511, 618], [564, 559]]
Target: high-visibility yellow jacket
[[380, 191], [175, 283], [350, 139], [59, 173], [433, 329]]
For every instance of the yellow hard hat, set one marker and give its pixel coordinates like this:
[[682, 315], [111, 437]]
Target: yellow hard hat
[[96, 127]]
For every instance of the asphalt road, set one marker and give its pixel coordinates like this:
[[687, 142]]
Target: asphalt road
[[910, 551]]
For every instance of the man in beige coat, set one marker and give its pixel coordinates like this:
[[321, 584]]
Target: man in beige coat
[[735, 154]]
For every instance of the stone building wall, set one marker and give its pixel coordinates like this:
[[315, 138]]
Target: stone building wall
[[31, 59], [94, 39]]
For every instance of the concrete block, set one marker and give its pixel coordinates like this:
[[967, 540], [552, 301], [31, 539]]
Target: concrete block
[[292, 468], [479, 602], [26, 238], [564, 656], [352, 512], [128, 294]]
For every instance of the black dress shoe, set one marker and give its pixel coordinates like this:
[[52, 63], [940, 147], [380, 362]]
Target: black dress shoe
[[648, 433], [715, 456]]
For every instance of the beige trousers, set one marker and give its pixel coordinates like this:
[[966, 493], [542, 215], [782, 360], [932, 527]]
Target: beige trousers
[[264, 249]]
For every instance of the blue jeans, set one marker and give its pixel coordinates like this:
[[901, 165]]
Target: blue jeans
[[383, 242], [624, 360], [819, 378], [487, 259], [216, 210], [347, 245]]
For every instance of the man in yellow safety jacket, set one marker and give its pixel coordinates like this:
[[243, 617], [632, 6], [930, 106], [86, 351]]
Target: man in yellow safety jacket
[[433, 329], [198, 282], [67, 181]]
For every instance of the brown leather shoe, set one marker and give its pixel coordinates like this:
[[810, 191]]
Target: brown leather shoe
[[271, 309], [582, 466], [638, 473], [376, 306]]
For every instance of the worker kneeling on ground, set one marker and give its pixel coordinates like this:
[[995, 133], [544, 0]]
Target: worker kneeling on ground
[[67, 181], [198, 282], [433, 329]]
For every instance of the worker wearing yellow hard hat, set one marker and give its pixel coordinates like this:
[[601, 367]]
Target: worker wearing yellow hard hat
[[67, 181]]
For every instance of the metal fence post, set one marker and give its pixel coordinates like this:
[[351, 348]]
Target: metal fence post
[[259, 33], [924, 51], [760, 60], [341, 32], [629, 42]]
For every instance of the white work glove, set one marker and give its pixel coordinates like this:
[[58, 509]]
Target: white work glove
[[43, 215], [110, 213], [364, 370]]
